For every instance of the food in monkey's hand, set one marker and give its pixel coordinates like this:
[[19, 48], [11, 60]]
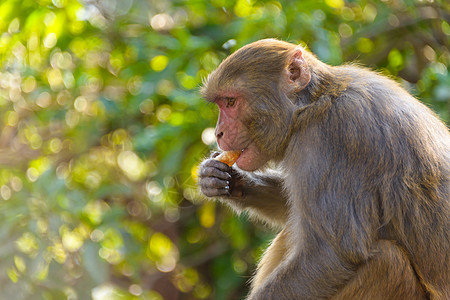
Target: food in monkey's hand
[[228, 157]]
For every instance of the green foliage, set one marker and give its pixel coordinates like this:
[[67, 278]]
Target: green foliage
[[102, 129]]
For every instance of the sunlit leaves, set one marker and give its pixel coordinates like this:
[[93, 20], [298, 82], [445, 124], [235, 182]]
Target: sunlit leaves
[[162, 252], [244, 8], [207, 214], [38, 166], [94, 211], [395, 59], [111, 246], [13, 274], [159, 63], [187, 279], [72, 240], [103, 130], [345, 31], [365, 45], [5, 10], [27, 244], [188, 82], [57, 252], [335, 3], [5, 192], [131, 165]]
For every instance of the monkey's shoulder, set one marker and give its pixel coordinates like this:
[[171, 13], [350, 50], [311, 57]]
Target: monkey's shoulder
[[370, 93]]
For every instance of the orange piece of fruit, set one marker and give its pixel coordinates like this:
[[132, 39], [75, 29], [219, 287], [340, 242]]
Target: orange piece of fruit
[[229, 157]]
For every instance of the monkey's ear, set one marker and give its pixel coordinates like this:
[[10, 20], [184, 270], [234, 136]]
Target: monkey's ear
[[298, 71]]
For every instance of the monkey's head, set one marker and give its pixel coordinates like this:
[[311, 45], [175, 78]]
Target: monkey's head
[[255, 88]]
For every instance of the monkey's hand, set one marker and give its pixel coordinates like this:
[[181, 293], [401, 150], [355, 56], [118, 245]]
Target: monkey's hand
[[216, 179], [261, 193]]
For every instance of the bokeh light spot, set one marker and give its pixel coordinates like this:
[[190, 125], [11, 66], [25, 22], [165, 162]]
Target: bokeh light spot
[[364, 45], [159, 63], [161, 22], [50, 40], [209, 136], [338, 4]]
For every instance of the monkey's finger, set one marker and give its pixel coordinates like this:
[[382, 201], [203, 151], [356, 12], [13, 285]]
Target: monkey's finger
[[216, 164], [213, 182], [206, 172], [210, 192]]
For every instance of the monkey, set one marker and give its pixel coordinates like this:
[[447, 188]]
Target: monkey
[[350, 168]]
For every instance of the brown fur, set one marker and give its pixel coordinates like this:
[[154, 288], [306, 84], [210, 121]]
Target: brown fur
[[272, 258], [387, 274], [361, 190]]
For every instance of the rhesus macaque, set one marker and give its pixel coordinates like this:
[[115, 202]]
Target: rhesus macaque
[[360, 188]]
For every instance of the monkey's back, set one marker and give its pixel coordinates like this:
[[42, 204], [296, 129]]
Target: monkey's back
[[405, 150]]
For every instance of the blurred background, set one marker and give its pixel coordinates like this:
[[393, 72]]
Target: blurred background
[[102, 129]]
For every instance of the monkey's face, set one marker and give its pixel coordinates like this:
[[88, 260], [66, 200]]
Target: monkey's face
[[253, 89], [233, 134]]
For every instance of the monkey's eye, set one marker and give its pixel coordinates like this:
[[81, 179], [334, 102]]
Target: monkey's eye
[[230, 101]]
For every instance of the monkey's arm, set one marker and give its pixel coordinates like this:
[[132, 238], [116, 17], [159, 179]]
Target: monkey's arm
[[260, 194], [330, 244]]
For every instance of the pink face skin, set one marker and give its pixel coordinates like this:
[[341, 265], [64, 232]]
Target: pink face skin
[[231, 133]]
